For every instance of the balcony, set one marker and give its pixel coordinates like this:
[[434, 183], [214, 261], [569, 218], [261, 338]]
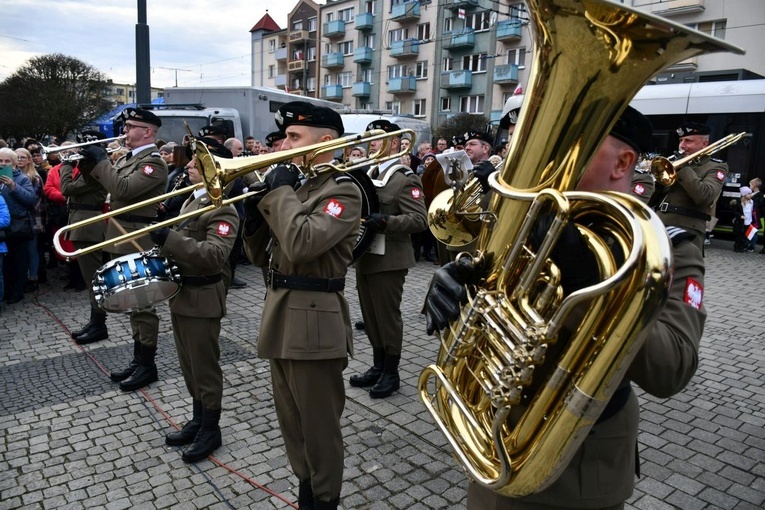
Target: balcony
[[408, 11], [676, 7], [362, 55], [332, 92], [296, 65], [457, 80], [365, 21], [280, 54], [332, 60], [509, 30], [280, 80], [462, 40], [405, 48], [333, 29], [453, 5], [405, 85], [299, 36], [362, 89], [506, 74]]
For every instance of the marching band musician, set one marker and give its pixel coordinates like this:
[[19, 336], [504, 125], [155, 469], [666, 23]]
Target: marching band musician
[[85, 199], [305, 329], [200, 249], [601, 472], [380, 273], [139, 175], [699, 184]]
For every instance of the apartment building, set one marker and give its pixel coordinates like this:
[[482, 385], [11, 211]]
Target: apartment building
[[125, 93], [433, 59]]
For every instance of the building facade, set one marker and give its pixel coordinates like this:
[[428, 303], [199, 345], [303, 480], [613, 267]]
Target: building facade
[[433, 59]]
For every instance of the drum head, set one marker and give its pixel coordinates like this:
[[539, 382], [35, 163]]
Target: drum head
[[369, 204], [135, 282]]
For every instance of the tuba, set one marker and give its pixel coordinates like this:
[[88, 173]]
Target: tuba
[[524, 373]]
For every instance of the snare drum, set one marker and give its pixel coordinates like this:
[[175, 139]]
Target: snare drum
[[135, 282]]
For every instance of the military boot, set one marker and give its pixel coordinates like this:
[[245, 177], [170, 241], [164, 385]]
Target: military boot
[[97, 330], [189, 431], [145, 373], [121, 375], [389, 380], [305, 496], [372, 375], [85, 328], [207, 440], [326, 505]]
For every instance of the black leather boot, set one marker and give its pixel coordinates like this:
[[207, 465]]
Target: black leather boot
[[189, 431], [145, 373], [97, 331], [389, 381], [208, 438], [86, 327], [371, 376], [121, 375], [326, 505], [305, 496]]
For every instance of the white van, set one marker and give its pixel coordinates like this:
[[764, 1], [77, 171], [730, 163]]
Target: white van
[[355, 123]]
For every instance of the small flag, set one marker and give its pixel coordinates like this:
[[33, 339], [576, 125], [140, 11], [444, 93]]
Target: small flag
[[518, 90], [461, 13], [751, 231]]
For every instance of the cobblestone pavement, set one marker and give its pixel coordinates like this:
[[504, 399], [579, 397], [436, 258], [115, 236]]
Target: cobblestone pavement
[[71, 439]]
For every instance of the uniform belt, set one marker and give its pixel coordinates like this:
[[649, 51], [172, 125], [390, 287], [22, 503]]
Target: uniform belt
[[135, 218], [201, 280], [83, 207], [285, 281], [666, 208]]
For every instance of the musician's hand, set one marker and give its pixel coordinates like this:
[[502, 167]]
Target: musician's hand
[[253, 217], [376, 221], [447, 293], [161, 212], [482, 171], [159, 236], [282, 175], [94, 153]]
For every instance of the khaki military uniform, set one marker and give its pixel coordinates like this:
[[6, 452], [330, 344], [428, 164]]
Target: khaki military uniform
[[601, 473], [84, 199], [698, 185], [380, 278], [643, 185], [307, 334], [134, 179], [201, 250]]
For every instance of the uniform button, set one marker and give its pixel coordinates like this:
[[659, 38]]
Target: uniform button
[[313, 305]]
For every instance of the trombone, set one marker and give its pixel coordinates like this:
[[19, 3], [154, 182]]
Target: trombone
[[218, 172], [665, 171]]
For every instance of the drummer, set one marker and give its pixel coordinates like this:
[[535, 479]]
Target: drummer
[[139, 175]]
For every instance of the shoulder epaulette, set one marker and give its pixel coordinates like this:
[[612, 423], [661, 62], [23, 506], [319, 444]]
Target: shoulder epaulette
[[157, 154], [342, 178], [678, 235], [717, 160], [408, 172]]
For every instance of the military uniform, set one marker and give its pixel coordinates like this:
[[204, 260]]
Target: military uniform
[[698, 185], [643, 185], [380, 276], [201, 249], [85, 199], [137, 176], [306, 334], [601, 472]]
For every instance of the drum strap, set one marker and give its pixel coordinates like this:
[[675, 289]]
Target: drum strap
[[201, 280], [285, 281]]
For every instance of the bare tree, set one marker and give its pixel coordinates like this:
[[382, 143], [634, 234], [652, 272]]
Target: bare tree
[[52, 95], [461, 124]]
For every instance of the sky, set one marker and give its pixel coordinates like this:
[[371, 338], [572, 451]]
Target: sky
[[196, 42]]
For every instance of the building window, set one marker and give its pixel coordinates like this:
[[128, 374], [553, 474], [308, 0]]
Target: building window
[[448, 64], [330, 17], [394, 107], [398, 34], [421, 69], [418, 108], [296, 84], [423, 32], [397, 71], [311, 83], [516, 56], [713, 28], [366, 75], [448, 24], [478, 20], [271, 46], [518, 11], [271, 70], [471, 104], [475, 63], [297, 25], [369, 41], [345, 79], [345, 47], [446, 104], [366, 106], [346, 15], [311, 53], [120, 92], [327, 79], [312, 24], [370, 7]]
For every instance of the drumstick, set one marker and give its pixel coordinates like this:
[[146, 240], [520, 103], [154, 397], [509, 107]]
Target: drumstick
[[123, 232]]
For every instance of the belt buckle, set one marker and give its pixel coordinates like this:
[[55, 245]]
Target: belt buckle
[[663, 207]]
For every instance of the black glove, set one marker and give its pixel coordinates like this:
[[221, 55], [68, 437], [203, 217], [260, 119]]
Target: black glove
[[253, 217], [159, 236], [282, 175], [447, 293], [162, 212], [482, 171], [94, 153], [376, 221]]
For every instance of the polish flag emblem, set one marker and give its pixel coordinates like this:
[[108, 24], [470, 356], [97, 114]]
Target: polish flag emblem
[[639, 189], [224, 229], [416, 193], [720, 175], [334, 208], [147, 170], [694, 293]]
